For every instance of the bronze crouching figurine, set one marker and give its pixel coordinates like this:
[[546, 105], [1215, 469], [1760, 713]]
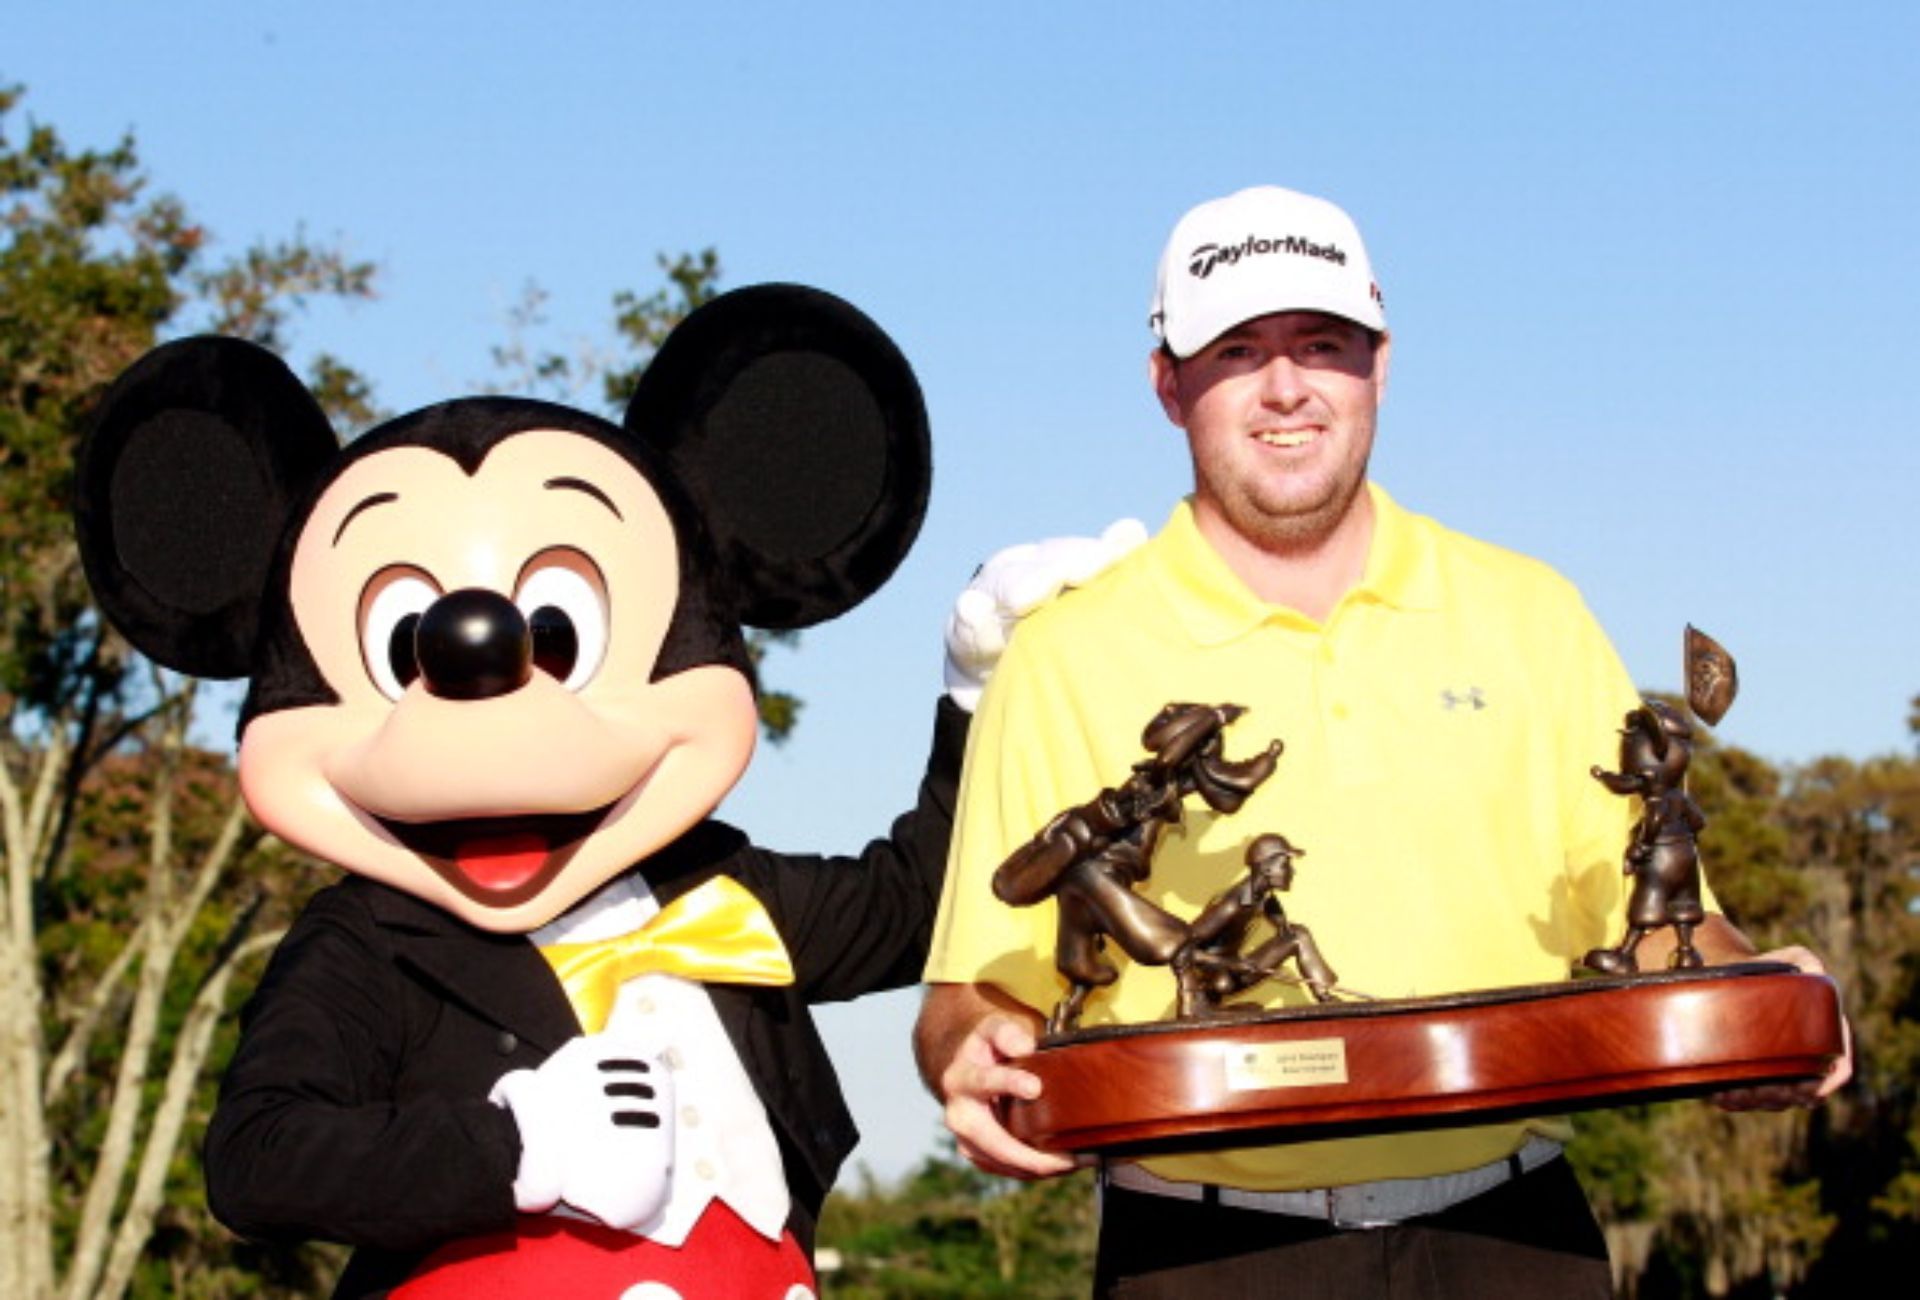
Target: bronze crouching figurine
[[1212, 966]]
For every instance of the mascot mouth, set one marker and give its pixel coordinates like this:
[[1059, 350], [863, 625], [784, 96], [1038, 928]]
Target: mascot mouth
[[498, 860]]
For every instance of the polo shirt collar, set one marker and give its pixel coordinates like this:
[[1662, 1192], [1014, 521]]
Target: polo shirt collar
[[1402, 567], [1214, 606]]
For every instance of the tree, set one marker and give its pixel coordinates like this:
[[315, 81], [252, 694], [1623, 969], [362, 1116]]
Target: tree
[[949, 1232], [128, 915], [1700, 1202], [1858, 824]]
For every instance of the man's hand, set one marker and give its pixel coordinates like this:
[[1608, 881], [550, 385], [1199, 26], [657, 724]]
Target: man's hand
[[967, 1041], [1781, 1096], [1011, 585], [1719, 941]]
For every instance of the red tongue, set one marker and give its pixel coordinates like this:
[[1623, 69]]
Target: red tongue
[[501, 861]]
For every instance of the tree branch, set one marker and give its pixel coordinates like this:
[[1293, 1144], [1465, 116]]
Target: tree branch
[[123, 1114], [163, 1137], [13, 825], [207, 876], [26, 1265], [159, 943], [66, 1061], [124, 728], [52, 774], [83, 760]]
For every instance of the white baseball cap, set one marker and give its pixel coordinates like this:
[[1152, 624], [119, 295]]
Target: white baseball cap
[[1256, 252]]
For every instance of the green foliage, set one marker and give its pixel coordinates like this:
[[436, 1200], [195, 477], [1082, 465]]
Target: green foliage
[[344, 394], [779, 710], [1616, 1156], [254, 296], [86, 277], [950, 1232], [644, 323], [1757, 882], [93, 271]]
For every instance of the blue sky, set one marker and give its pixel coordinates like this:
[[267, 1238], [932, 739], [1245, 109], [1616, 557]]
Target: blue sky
[[1650, 269]]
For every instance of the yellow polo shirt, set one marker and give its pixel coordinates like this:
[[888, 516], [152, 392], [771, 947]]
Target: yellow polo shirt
[[1439, 728]]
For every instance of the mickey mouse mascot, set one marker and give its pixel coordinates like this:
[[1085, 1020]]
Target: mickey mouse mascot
[[550, 1035]]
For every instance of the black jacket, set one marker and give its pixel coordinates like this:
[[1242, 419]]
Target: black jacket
[[355, 1108]]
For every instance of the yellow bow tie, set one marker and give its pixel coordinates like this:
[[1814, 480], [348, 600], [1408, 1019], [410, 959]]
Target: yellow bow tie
[[718, 933]]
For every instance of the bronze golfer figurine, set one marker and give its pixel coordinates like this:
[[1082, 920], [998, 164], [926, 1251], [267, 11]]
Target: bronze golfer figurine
[[1212, 966]]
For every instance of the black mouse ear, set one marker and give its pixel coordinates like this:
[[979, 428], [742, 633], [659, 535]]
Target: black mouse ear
[[799, 429], [187, 474]]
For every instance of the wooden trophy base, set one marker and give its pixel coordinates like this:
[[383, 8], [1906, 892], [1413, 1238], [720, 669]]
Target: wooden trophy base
[[1316, 1071]]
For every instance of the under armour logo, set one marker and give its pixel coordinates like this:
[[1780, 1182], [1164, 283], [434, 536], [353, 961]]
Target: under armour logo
[[1471, 698]]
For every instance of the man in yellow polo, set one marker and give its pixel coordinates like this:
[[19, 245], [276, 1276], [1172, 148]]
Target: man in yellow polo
[[1442, 702]]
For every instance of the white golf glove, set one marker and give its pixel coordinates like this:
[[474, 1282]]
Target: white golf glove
[[1012, 585], [596, 1129]]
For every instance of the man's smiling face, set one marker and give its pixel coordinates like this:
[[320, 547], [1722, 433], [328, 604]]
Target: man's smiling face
[[1279, 413]]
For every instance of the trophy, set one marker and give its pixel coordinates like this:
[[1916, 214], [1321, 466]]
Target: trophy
[[1225, 1073]]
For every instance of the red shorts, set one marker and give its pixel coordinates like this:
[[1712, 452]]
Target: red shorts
[[549, 1256]]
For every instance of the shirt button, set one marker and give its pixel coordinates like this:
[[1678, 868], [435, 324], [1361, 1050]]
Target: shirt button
[[704, 1168], [690, 1116], [507, 1043], [671, 1058], [645, 1006], [1339, 710]]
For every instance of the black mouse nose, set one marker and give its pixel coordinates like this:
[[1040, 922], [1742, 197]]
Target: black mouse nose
[[473, 645]]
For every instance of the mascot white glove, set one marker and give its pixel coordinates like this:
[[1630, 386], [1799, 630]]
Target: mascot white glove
[[1012, 585], [596, 1128]]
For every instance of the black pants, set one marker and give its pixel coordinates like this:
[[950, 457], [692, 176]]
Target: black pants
[[1532, 1237]]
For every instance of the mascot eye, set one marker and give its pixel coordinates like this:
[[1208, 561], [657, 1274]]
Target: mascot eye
[[390, 611], [563, 598]]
